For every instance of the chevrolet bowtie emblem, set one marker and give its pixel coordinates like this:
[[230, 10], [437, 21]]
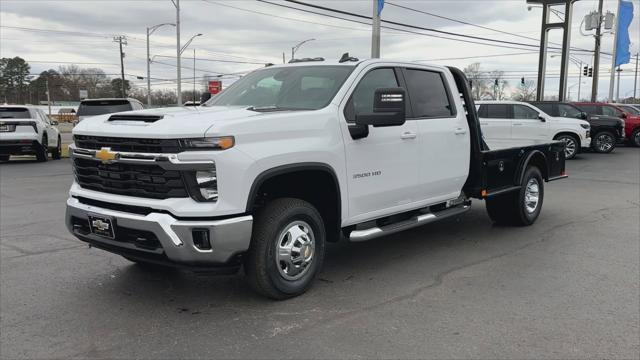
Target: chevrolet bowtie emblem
[[106, 155]]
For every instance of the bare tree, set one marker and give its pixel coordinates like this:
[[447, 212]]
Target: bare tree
[[499, 86], [525, 92], [477, 79]]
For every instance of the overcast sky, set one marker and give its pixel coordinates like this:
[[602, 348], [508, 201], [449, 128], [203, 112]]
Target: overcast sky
[[49, 33]]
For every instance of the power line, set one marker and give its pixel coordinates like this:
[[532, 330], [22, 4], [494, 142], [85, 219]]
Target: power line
[[217, 60]]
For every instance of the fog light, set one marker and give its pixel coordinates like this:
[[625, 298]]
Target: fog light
[[208, 184], [201, 239]]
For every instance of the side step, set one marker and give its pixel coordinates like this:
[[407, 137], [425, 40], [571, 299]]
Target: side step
[[422, 219]]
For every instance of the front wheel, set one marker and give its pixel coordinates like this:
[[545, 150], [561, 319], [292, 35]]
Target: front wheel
[[4, 158], [520, 208], [635, 138], [287, 248], [571, 145], [56, 154], [603, 142]]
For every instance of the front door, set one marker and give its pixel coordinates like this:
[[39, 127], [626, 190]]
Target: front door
[[528, 128], [382, 170]]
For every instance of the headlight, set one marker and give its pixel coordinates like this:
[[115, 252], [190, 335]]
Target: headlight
[[207, 182], [213, 143], [585, 126]]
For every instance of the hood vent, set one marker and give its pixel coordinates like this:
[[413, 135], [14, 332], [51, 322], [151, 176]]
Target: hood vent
[[140, 118]]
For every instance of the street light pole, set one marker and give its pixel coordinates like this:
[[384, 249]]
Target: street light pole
[[151, 30], [194, 76], [176, 3], [295, 48], [186, 45]]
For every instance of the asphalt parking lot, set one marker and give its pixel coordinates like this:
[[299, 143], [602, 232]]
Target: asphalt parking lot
[[567, 287]]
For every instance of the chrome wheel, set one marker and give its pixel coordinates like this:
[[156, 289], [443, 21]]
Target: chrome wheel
[[295, 249], [570, 148], [604, 142], [532, 195]]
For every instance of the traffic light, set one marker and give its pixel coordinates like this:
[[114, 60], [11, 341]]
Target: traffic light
[[522, 80], [590, 72], [585, 71], [496, 82]]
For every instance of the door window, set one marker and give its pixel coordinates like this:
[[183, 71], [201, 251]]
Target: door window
[[497, 111], [428, 94], [569, 111], [611, 111], [547, 108], [524, 112], [590, 109], [361, 101]]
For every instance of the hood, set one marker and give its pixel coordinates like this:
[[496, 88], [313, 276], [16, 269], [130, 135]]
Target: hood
[[569, 121], [167, 123]]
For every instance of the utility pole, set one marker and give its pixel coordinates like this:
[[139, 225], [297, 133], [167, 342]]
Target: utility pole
[[194, 76], [596, 54], [619, 70], [375, 31], [150, 31], [283, 60], [176, 3], [121, 39], [46, 81]]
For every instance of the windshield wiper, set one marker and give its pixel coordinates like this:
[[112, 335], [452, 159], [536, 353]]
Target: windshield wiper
[[271, 108]]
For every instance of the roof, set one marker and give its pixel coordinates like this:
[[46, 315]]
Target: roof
[[355, 63], [507, 102], [110, 99], [14, 106]]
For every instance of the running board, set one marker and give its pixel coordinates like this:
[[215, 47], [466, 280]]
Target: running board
[[419, 220]]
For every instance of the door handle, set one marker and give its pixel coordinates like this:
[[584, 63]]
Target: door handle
[[460, 131], [517, 124], [408, 135]]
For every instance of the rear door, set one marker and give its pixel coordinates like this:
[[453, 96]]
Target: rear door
[[495, 122], [443, 134], [528, 128], [382, 169]]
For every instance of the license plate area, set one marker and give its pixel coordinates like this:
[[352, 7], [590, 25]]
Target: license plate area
[[101, 226]]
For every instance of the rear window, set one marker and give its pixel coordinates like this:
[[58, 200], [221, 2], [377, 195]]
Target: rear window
[[14, 113], [100, 107], [428, 94], [494, 111]]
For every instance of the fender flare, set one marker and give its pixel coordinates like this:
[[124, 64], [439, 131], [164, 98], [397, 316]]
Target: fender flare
[[524, 163], [292, 168]]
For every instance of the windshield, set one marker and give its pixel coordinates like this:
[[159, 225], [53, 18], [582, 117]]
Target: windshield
[[14, 113], [100, 107], [290, 88], [569, 111]]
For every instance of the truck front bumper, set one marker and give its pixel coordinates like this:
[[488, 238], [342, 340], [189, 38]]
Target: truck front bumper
[[158, 237]]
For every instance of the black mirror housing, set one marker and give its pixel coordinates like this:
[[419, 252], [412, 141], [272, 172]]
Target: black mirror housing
[[542, 118], [388, 109], [583, 115]]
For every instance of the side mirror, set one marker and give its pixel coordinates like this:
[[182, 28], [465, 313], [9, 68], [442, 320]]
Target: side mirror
[[624, 115], [205, 97], [54, 122], [583, 115], [542, 118], [388, 109]]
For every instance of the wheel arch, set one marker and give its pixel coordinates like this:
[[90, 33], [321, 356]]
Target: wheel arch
[[283, 180], [536, 158], [571, 133]]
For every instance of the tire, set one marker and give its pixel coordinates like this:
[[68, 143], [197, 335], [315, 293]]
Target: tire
[[635, 138], [282, 224], [4, 158], [572, 145], [603, 142], [42, 154], [514, 208], [56, 154]]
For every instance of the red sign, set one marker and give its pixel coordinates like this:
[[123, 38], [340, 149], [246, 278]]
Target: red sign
[[215, 86]]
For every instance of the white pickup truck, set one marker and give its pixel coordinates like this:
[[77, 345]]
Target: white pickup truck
[[290, 157], [514, 123]]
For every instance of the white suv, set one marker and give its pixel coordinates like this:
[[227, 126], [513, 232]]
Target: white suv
[[27, 130], [514, 123]]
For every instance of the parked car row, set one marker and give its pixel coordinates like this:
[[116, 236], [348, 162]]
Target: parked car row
[[598, 127]]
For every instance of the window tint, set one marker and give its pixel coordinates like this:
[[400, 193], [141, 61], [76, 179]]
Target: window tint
[[428, 94], [14, 113], [569, 111], [549, 109], [611, 111], [362, 99], [631, 110], [497, 111], [99, 107], [524, 112], [589, 109]]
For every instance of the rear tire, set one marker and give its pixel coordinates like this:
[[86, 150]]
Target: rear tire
[[572, 145], [287, 249], [603, 142], [519, 208], [635, 138], [41, 151], [57, 153]]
